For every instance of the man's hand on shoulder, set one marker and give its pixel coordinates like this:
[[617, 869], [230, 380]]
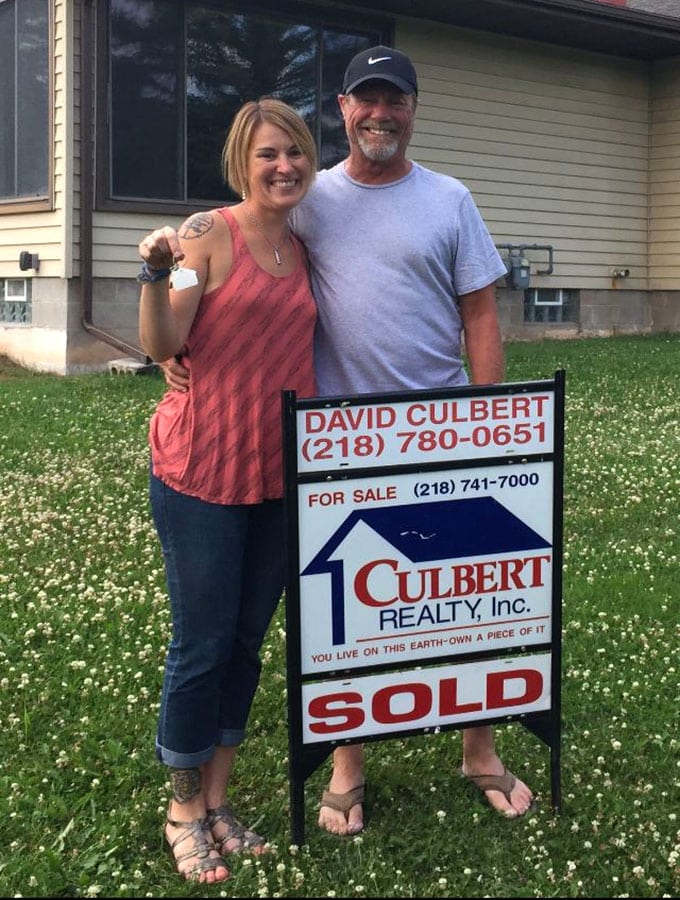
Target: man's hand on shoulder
[[176, 375]]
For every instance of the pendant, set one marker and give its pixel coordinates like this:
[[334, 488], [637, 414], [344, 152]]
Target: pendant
[[277, 256]]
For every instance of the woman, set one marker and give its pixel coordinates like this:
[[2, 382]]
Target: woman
[[243, 326]]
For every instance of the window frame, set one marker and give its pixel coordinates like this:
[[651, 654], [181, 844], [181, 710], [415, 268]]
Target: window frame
[[558, 301], [566, 299], [34, 204], [311, 13], [7, 301]]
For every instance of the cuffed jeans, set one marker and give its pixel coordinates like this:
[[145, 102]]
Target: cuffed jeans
[[225, 570]]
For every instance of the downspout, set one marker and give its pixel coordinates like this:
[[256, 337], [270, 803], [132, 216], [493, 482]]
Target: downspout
[[87, 73]]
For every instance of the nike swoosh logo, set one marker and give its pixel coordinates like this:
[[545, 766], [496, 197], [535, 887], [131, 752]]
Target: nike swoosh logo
[[372, 61]]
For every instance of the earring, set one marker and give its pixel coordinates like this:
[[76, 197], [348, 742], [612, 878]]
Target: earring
[[243, 195]]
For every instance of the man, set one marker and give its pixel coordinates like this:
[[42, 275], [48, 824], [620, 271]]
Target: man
[[403, 271]]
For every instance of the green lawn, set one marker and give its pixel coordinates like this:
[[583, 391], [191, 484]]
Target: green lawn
[[84, 624]]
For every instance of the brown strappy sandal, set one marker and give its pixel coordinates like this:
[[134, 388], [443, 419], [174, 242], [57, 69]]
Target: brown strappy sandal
[[201, 849], [247, 841]]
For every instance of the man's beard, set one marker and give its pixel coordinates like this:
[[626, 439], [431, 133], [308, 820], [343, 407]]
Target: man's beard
[[378, 153]]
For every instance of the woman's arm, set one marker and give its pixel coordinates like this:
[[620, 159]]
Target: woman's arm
[[166, 315]]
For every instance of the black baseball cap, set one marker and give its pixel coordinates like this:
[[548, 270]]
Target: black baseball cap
[[383, 63]]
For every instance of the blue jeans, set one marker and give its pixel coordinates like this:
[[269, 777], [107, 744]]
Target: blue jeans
[[225, 570]]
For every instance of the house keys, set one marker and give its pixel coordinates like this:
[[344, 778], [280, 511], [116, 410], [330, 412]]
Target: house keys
[[180, 279]]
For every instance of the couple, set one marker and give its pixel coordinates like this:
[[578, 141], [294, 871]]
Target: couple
[[402, 271]]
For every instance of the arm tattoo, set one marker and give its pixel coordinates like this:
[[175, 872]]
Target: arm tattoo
[[197, 225], [186, 784]]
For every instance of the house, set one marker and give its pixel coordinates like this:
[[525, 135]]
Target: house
[[561, 116]]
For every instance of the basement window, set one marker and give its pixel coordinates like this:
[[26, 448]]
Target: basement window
[[546, 305], [15, 301]]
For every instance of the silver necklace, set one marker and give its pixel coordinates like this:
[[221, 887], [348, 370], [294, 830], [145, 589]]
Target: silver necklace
[[258, 225]]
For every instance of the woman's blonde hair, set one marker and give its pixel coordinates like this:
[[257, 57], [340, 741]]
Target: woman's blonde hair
[[237, 145]]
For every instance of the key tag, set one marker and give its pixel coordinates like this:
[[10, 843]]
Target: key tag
[[180, 279]]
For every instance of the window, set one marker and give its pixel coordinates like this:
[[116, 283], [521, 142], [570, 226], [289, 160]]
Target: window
[[15, 300], [180, 69], [24, 100], [551, 305]]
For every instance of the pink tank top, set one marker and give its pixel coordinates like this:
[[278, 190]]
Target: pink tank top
[[221, 441]]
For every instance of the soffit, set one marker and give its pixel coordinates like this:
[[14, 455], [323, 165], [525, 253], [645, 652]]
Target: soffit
[[583, 24]]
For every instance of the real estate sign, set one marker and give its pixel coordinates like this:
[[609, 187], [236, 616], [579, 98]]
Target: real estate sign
[[425, 559]]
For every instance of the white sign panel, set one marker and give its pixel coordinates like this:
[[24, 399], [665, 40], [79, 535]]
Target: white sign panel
[[411, 566], [425, 431], [424, 698]]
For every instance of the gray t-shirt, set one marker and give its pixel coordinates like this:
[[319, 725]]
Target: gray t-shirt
[[388, 263]]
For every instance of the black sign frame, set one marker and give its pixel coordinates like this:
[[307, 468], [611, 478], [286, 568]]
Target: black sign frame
[[305, 759]]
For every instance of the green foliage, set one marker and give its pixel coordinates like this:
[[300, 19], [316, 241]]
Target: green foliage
[[84, 624]]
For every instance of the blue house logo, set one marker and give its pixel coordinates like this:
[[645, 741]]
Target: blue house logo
[[431, 532]]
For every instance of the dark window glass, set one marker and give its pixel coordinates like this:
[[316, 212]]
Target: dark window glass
[[179, 72], [146, 101], [338, 49], [24, 99], [230, 59]]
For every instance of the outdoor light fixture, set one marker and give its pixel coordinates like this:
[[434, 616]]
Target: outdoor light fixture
[[28, 260]]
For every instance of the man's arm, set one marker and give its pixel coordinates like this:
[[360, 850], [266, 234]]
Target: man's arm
[[483, 342]]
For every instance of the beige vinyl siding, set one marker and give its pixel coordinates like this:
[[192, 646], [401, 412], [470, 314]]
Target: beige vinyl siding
[[115, 237], [35, 232], [43, 232], [664, 231], [553, 144]]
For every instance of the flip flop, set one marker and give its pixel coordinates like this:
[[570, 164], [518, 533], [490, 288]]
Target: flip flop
[[344, 802], [502, 783]]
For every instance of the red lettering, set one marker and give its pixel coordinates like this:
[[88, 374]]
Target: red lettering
[[486, 577], [416, 585], [349, 717], [463, 580], [361, 583], [402, 580], [411, 418], [496, 683], [448, 699], [510, 574], [536, 569], [422, 703], [314, 421]]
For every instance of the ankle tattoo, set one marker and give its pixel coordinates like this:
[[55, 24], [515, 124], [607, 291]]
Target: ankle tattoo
[[186, 784]]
